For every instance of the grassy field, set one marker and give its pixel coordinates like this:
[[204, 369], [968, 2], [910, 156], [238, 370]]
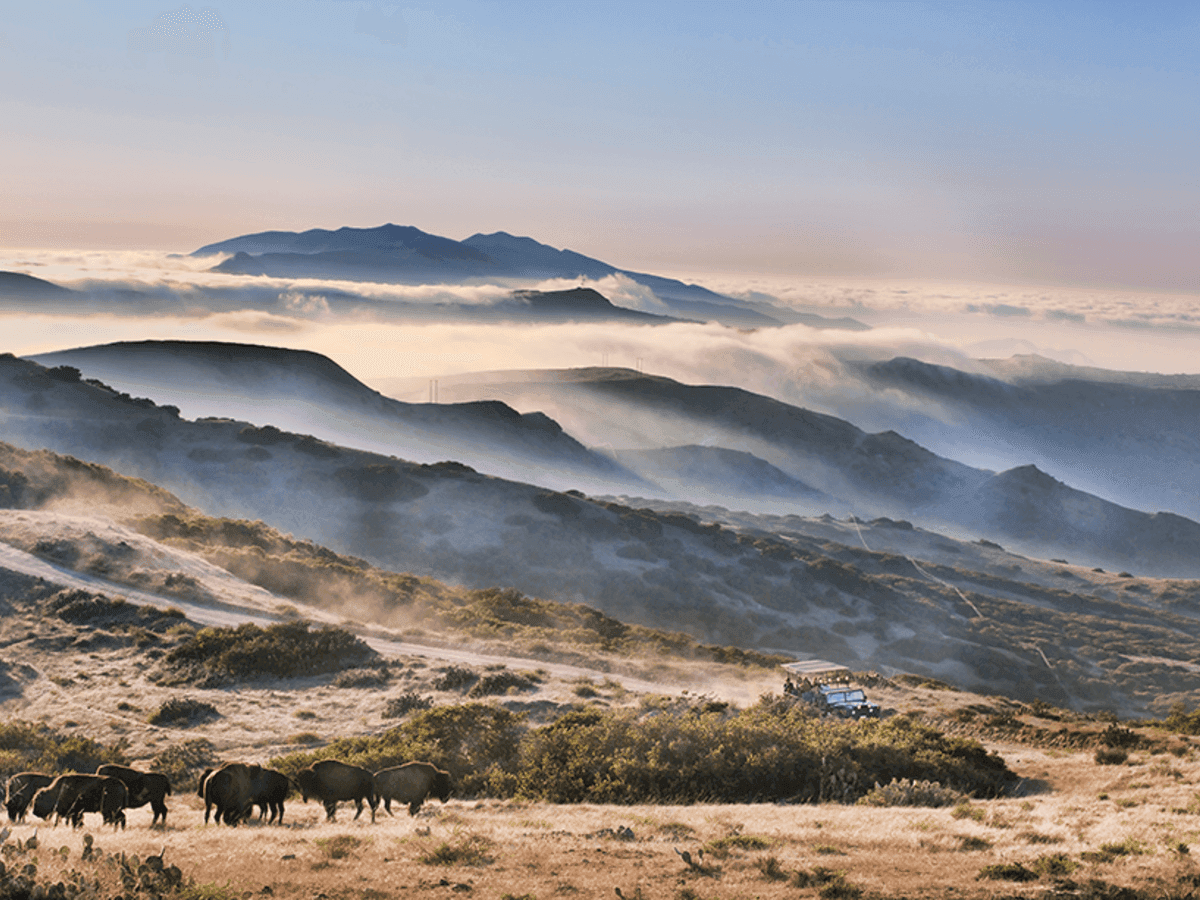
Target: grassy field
[[1075, 828]]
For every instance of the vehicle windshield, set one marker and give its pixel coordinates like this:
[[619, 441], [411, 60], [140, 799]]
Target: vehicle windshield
[[846, 697]]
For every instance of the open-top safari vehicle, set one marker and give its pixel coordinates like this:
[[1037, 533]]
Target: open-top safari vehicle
[[829, 687]]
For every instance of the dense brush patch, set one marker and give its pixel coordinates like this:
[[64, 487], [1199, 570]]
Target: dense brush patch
[[286, 650], [673, 752], [35, 747]]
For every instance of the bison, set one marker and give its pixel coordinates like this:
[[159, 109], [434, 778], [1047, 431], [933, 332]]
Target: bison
[[143, 788], [229, 789], [235, 788], [411, 783], [272, 789], [70, 796], [332, 780], [20, 790]]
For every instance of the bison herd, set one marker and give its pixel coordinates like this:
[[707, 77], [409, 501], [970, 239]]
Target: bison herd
[[230, 792]]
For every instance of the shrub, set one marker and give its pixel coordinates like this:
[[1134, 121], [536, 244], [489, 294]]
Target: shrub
[[475, 743], [670, 752], [185, 760], [30, 746], [501, 683], [771, 869], [470, 850], [284, 650], [1109, 852], [183, 712], [1111, 756], [905, 792], [339, 846], [361, 678], [1117, 736], [404, 704], [454, 678], [1055, 865], [1006, 872]]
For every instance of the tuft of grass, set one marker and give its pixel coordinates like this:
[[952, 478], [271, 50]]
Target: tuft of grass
[[831, 884], [828, 850], [771, 869], [969, 843], [677, 831], [1054, 865], [721, 846], [966, 810], [181, 712], [470, 850], [1006, 872], [1111, 756], [1109, 852], [340, 846]]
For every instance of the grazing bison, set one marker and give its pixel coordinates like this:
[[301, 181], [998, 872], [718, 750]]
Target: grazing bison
[[272, 789], [70, 796], [230, 790], [332, 780], [143, 788], [411, 783], [20, 790], [235, 788]]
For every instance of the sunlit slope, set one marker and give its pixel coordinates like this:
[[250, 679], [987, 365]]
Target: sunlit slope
[[917, 601]]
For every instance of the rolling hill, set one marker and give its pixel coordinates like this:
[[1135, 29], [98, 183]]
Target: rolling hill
[[966, 612]]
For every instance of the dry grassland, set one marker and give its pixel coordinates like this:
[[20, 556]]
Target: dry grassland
[[1073, 824]]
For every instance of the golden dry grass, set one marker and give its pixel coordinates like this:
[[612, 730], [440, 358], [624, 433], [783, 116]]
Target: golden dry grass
[[1146, 812]]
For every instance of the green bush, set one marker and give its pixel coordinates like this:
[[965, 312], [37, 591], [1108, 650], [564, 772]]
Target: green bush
[[284, 650], [404, 704], [476, 743], [30, 746], [671, 752], [906, 792], [182, 712]]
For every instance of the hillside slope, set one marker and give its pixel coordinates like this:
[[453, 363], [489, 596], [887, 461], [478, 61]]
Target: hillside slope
[[970, 614]]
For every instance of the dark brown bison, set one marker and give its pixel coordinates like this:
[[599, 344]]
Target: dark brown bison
[[411, 783], [20, 790], [272, 789], [70, 796], [229, 789], [332, 781], [235, 788], [143, 788]]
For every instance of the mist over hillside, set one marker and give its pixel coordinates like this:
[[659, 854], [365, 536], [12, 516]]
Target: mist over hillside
[[885, 474], [993, 621], [1130, 437], [309, 393]]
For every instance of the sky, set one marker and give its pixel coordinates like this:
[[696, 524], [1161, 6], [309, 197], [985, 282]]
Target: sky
[[1023, 143]]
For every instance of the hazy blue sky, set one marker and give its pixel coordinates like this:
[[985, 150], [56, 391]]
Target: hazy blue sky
[[1039, 142]]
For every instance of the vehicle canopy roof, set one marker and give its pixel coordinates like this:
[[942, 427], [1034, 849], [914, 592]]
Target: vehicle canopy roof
[[817, 670]]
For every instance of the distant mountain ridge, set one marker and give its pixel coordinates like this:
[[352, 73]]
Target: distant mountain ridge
[[1133, 437], [406, 255], [311, 394], [27, 287]]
